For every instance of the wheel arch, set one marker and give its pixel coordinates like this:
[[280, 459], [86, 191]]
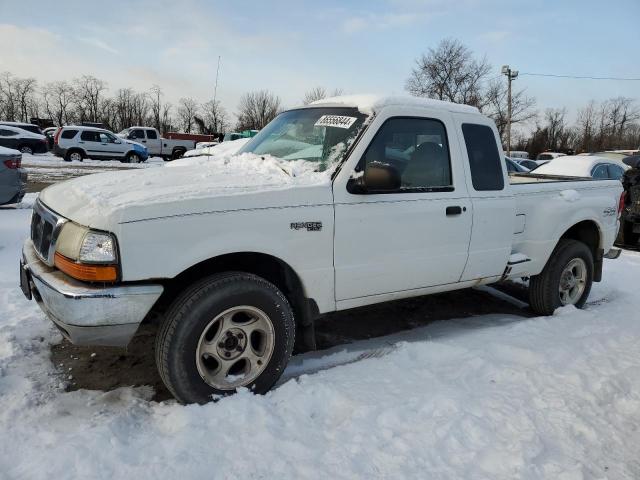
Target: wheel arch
[[589, 233], [269, 267]]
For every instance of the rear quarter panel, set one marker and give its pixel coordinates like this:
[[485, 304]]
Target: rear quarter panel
[[550, 209]]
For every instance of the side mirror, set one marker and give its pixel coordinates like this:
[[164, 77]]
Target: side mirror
[[378, 177], [117, 141]]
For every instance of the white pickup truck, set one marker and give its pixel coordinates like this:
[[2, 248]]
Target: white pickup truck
[[347, 202], [157, 146]]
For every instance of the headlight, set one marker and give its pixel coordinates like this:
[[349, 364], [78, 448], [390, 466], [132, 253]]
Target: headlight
[[97, 248], [86, 254]]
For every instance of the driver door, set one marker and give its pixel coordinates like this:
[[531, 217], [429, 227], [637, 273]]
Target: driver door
[[389, 243]]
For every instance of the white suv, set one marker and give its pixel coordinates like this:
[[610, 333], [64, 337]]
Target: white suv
[[74, 143]]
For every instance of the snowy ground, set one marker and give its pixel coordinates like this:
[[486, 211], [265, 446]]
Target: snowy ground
[[491, 397], [46, 169]]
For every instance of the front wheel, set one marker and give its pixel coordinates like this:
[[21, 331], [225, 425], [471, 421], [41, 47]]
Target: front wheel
[[133, 157], [565, 280], [225, 332]]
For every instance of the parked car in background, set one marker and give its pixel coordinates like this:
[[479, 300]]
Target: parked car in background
[[22, 140], [515, 167], [629, 234], [224, 148], [75, 143], [13, 179], [50, 132], [157, 146], [231, 136], [584, 166], [530, 164], [549, 155], [29, 127], [515, 154]]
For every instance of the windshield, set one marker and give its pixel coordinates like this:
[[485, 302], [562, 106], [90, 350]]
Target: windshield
[[318, 135]]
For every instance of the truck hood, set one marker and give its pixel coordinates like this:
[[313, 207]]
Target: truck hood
[[198, 185]]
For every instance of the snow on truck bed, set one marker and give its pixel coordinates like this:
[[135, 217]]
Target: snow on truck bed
[[495, 396]]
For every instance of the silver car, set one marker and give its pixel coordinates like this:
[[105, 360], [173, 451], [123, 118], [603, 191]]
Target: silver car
[[13, 179]]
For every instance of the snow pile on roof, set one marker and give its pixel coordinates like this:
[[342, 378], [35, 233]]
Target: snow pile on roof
[[369, 104], [494, 396]]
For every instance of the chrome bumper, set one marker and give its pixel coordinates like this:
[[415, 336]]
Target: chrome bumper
[[86, 314]]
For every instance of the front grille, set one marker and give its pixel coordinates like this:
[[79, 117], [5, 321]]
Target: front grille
[[45, 226]]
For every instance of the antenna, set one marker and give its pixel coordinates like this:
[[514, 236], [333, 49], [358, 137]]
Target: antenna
[[215, 89]]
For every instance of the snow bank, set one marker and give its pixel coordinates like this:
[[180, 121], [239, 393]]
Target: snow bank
[[495, 396]]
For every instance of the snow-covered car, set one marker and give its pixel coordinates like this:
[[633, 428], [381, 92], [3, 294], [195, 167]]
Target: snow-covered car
[[13, 179], [224, 148], [515, 167], [530, 164], [22, 140], [75, 143], [237, 255], [584, 166], [29, 127], [158, 146]]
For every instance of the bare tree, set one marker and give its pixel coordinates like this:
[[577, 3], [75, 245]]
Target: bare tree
[[165, 118], [256, 109], [319, 93], [58, 101], [187, 109], [214, 118], [88, 91], [156, 108], [449, 72]]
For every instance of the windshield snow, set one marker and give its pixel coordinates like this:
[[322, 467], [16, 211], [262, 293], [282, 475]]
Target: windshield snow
[[318, 135]]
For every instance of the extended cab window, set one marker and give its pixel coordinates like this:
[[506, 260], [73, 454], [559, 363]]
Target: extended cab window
[[152, 135], [417, 148], [484, 157], [138, 134]]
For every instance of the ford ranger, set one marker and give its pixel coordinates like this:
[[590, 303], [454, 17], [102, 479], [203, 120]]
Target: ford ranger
[[346, 202]]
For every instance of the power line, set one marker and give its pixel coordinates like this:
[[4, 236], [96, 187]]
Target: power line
[[625, 79]]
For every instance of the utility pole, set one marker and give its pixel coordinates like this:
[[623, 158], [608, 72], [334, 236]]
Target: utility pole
[[215, 94], [511, 75]]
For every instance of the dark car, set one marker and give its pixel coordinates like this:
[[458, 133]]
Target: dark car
[[29, 127], [22, 140], [515, 167], [629, 233], [13, 179]]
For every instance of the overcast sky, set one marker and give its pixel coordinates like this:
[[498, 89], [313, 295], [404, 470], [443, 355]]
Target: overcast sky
[[291, 46]]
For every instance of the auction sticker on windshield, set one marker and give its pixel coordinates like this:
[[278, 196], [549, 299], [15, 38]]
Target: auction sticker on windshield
[[339, 121]]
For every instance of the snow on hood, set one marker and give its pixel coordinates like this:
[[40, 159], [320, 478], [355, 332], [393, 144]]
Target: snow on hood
[[205, 184], [224, 148]]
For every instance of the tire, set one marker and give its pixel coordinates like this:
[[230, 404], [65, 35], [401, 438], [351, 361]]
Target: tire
[[544, 289], [74, 155], [178, 153], [211, 316], [133, 157], [26, 149]]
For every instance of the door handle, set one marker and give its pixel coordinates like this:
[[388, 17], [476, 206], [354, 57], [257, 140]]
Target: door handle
[[455, 210], [144, 141]]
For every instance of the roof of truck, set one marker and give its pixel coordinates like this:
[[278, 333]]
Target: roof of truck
[[371, 103]]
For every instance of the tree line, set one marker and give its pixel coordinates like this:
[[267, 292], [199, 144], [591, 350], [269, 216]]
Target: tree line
[[450, 71], [87, 99]]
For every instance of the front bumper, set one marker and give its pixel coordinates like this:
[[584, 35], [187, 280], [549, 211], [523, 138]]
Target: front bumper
[[86, 314]]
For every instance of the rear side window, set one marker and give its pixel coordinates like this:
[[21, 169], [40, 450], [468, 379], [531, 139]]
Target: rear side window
[[90, 136], [600, 172], [152, 135], [484, 157], [616, 172], [68, 133], [6, 133]]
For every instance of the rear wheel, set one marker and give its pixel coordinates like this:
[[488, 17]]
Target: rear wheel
[[225, 332], [565, 280], [74, 156], [177, 153], [26, 149]]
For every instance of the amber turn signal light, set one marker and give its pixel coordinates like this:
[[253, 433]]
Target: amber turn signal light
[[86, 272]]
